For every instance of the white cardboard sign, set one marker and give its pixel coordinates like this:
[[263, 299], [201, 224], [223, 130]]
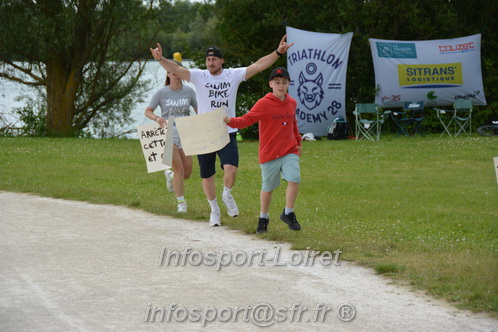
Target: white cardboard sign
[[154, 145], [203, 133]]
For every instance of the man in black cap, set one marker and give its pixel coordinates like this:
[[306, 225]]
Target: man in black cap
[[217, 87]]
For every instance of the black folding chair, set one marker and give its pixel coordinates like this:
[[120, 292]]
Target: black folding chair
[[410, 120]]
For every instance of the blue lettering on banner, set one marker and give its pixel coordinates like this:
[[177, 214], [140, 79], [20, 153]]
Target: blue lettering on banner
[[334, 107], [314, 54], [397, 50], [311, 118], [320, 117]]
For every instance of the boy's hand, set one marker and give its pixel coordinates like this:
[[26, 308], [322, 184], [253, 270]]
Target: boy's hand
[[299, 150], [227, 120]]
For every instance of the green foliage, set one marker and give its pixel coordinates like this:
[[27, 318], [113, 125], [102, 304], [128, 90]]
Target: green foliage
[[34, 121], [186, 26], [31, 116]]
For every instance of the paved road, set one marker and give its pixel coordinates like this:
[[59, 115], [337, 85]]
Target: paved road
[[73, 266]]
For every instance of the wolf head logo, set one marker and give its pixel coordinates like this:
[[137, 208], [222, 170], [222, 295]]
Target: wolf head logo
[[310, 92]]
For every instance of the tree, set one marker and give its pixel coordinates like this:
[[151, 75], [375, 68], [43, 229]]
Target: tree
[[78, 52], [186, 26]]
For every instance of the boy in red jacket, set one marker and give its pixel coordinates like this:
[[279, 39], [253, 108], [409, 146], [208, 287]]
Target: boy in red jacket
[[279, 146]]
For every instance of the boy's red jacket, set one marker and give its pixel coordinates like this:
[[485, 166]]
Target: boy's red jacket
[[278, 132]]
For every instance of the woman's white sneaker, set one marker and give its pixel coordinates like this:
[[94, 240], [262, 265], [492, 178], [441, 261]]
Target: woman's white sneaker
[[181, 207], [169, 180]]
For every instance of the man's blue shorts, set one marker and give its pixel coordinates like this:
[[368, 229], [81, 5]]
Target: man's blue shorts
[[229, 155]]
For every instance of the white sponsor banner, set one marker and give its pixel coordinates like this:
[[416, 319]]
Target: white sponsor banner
[[317, 65], [435, 71]]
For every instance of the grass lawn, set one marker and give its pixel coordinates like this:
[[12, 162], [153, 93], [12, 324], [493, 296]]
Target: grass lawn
[[420, 209]]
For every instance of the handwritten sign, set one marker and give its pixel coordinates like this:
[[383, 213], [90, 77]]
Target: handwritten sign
[[203, 133], [153, 142]]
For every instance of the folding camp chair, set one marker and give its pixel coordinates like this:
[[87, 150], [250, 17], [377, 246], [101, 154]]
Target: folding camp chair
[[368, 122], [463, 116], [457, 120], [446, 117], [409, 121]]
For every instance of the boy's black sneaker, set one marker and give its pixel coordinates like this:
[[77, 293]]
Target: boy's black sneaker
[[262, 225], [290, 220]]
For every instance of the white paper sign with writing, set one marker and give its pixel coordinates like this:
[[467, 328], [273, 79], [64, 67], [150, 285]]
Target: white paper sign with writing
[[203, 133], [153, 142]]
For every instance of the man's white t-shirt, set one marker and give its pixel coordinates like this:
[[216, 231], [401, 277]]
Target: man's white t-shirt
[[217, 91]]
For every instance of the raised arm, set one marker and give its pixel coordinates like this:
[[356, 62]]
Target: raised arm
[[268, 60], [169, 65]]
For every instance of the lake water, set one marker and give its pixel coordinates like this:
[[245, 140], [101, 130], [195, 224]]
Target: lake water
[[9, 91]]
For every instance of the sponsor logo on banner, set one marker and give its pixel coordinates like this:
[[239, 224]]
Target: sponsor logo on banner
[[431, 95], [430, 75], [397, 50], [457, 48], [391, 100]]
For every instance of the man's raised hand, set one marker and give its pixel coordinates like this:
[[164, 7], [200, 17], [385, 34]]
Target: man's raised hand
[[157, 53], [283, 47]]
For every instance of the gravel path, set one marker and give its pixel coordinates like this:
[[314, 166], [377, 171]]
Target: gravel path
[[73, 266]]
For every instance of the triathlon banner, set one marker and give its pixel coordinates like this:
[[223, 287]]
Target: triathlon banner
[[317, 65], [435, 71]]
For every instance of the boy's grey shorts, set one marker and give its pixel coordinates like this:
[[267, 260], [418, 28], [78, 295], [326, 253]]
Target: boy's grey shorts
[[288, 165]]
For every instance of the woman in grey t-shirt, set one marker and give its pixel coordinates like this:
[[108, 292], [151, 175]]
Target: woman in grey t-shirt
[[174, 99]]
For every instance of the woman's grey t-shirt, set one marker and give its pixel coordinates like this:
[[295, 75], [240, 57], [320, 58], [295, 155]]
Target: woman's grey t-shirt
[[174, 103]]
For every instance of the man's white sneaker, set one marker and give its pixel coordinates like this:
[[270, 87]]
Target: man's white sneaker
[[181, 207], [214, 218], [169, 180], [232, 209]]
